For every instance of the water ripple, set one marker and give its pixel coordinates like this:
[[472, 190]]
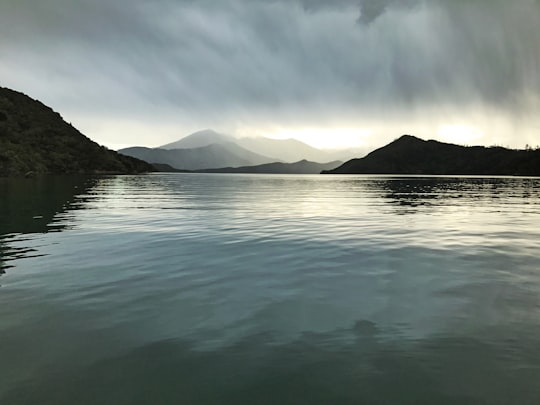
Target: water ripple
[[358, 279]]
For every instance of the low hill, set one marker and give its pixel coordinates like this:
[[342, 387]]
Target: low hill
[[162, 167], [301, 167], [35, 139], [411, 155], [214, 155]]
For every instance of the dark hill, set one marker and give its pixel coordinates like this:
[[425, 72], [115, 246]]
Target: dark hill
[[301, 167], [35, 139], [411, 155]]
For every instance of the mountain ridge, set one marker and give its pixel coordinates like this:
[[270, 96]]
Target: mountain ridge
[[205, 157], [287, 150], [209, 149], [301, 167], [291, 150], [411, 155], [198, 139]]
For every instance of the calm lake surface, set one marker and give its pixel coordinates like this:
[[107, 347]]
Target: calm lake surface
[[263, 289]]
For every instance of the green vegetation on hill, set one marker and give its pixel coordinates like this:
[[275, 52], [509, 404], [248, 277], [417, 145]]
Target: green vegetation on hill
[[411, 155], [35, 139]]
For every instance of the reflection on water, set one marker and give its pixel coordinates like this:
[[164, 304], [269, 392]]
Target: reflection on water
[[316, 368], [207, 289], [439, 191], [30, 206]]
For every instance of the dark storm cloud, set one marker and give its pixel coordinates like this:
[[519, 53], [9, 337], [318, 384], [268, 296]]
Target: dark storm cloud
[[208, 61]]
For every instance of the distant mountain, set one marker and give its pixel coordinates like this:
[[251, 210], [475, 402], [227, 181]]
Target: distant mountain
[[411, 155], [291, 150], [214, 155], [288, 150], [199, 139], [301, 167], [35, 139]]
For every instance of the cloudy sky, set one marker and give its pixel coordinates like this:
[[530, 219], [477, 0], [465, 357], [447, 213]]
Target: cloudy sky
[[329, 72]]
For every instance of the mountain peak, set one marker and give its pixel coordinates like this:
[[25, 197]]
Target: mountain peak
[[408, 139], [199, 139], [205, 132]]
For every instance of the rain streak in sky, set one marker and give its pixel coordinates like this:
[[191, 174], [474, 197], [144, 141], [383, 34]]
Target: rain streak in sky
[[330, 73]]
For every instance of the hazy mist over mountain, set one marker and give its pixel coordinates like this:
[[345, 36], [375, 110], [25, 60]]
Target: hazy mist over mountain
[[293, 150], [208, 149], [205, 157], [288, 150], [199, 139]]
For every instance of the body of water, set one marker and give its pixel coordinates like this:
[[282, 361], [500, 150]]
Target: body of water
[[269, 289]]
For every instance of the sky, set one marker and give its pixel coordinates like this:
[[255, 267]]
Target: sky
[[332, 73]]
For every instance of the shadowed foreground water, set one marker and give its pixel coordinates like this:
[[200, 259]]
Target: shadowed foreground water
[[207, 289]]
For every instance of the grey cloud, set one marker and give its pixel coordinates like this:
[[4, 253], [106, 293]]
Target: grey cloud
[[275, 59], [371, 9]]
